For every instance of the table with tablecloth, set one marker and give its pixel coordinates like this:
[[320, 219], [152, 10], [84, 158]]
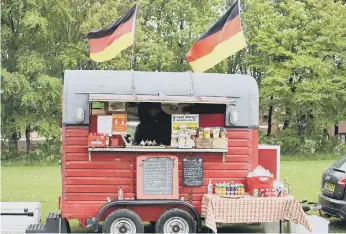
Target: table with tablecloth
[[248, 209]]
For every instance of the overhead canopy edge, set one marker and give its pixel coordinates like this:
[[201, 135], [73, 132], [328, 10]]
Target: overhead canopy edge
[[162, 99]]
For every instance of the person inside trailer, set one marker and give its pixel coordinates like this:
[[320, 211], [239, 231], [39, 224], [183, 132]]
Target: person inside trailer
[[155, 124]]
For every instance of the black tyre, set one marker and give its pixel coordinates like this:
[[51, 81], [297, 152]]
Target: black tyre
[[175, 221], [123, 221]]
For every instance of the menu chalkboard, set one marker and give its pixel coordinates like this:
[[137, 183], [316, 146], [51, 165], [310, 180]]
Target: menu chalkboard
[[193, 172], [158, 176]]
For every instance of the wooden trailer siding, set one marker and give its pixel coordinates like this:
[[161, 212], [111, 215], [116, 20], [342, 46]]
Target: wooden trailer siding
[[87, 184]]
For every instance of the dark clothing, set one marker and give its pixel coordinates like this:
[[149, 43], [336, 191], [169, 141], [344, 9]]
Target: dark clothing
[[156, 128]]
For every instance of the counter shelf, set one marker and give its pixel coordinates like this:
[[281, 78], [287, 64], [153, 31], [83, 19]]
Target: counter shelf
[[158, 149]]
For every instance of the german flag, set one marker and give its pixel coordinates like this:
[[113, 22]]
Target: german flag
[[106, 43], [222, 40]]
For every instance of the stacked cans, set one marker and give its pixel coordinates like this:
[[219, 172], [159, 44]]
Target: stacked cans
[[229, 189], [278, 190]]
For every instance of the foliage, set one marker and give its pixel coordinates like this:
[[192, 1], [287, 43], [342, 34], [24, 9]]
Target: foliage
[[296, 51]]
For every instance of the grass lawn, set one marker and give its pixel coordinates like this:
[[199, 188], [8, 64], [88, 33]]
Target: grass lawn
[[43, 184]]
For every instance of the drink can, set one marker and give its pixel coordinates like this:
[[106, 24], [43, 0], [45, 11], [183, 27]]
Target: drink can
[[267, 193], [255, 192], [273, 192], [228, 189], [285, 192], [232, 189]]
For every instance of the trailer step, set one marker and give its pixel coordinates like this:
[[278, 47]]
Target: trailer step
[[51, 226], [36, 228]]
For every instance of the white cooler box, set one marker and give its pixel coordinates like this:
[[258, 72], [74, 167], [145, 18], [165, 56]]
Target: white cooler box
[[17, 216], [318, 225]]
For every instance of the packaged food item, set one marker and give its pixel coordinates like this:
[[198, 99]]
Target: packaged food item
[[200, 133], [206, 133], [216, 132], [224, 189], [223, 133], [262, 193], [255, 192], [242, 191], [217, 189]]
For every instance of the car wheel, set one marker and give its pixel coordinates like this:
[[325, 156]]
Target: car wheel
[[324, 214], [175, 221], [123, 221]]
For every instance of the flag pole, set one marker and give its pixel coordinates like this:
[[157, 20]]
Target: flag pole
[[133, 38]]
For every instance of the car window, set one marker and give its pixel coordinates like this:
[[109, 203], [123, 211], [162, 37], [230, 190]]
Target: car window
[[341, 164]]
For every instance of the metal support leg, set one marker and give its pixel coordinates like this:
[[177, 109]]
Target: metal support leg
[[280, 226]]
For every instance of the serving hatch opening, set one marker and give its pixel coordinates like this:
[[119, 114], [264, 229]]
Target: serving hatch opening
[[207, 115]]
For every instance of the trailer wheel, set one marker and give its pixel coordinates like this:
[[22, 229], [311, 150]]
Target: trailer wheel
[[175, 221], [123, 221]]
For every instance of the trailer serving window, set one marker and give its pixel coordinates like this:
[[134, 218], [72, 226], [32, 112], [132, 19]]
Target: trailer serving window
[[193, 123]]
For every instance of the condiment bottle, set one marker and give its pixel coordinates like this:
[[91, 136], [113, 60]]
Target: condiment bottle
[[120, 194], [210, 187], [107, 140]]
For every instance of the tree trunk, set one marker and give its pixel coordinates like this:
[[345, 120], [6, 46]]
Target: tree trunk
[[336, 129], [287, 122], [269, 130], [27, 137], [14, 142]]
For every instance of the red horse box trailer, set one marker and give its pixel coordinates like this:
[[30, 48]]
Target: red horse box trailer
[[92, 177]]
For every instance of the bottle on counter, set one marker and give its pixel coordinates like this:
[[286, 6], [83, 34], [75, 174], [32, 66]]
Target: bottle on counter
[[120, 194], [210, 187], [107, 140], [232, 189], [228, 189]]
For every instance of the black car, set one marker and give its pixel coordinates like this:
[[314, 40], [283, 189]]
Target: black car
[[333, 186]]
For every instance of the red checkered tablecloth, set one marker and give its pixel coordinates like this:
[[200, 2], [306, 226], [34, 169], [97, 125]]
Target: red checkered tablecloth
[[248, 209]]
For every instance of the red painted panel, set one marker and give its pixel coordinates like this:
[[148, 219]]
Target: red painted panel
[[77, 141], [99, 165], [76, 157], [238, 150], [194, 197], [237, 158], [96, 188], [267, 158], [76, 149], [237, 134], [238, 143], [77, 132], [98, 180], [93, 123], [211, 120], [97, 173], [254, 149], [90, 196]]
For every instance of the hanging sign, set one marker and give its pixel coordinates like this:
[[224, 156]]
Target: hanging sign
[[119, 124], [189, 121]]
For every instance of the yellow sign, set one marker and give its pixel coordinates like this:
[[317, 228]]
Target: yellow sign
[[190, 121]]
